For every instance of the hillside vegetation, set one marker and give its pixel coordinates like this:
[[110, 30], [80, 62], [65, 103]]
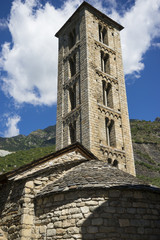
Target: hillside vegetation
[[38, 138], [20, 158], [146, 145]]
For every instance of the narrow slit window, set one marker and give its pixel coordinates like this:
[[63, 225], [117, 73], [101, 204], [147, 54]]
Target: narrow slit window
[[110, 132], [72, 97], [107, 94], [103, 35], [72, 65], [72, 38], [105, 65], [72, 130]]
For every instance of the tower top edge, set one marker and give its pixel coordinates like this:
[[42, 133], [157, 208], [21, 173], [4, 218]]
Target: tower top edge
[[92, 9]]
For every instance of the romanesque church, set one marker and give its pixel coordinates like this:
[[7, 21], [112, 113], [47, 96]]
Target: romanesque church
[[87, 189]]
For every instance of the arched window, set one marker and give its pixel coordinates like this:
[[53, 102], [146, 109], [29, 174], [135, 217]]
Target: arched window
[[72, 97], [110, 132], [107, 94], [103, 36], [115, 163], [109, 160], [72, 131], [72, 65], [105, 65], [72, 38]]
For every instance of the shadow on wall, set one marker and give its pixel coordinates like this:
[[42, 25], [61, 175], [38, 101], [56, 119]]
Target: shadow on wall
[[10, 200], [124, 217], [123, 213]]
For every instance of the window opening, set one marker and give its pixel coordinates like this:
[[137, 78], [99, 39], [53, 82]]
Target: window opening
[[107, 94], [72, 97], [103, 36], [72, 129], [105, 66], [110, 132], [109, 160], [115, 163], [72, 38], [72, 64]]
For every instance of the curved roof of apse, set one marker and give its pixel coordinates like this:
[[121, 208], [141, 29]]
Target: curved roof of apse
[[93, 174]]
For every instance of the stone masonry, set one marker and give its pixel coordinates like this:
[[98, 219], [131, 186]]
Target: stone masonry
[[74, 193], [89, 57], [75, 197]]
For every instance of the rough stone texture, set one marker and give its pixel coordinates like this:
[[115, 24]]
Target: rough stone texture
[[85, 199], [118, 213], [71, 194], [90, 174], [89, 112]]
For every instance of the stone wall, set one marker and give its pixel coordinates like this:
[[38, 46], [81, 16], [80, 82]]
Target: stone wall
[[89, 113], [98, 214]]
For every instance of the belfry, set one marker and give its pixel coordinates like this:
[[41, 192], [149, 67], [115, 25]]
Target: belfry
[[86, 189], [92, 105]]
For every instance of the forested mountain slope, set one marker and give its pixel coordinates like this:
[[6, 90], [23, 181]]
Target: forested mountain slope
[[146, 145]]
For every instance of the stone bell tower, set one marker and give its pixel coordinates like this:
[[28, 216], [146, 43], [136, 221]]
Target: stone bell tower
[[92, 105]]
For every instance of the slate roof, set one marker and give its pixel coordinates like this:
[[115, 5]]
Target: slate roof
[[73, 147], [91, 174]]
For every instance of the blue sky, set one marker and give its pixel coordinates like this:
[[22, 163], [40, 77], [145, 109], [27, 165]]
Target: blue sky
[[28, 59]]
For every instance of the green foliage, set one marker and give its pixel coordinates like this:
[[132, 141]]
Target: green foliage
[[154, 181], [151, 167], [20, 158], [144, 156], [38, 138], [145, 131]]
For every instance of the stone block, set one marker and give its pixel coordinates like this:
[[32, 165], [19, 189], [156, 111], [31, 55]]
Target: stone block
[[85, 209], [27, 219], [59, 197], [124, 222], [42, 229], [92, 229], [26, 232], [51, 232], [29, 184], [97, 221]]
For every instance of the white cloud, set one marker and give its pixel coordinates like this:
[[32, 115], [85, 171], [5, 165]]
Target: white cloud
[[12, 129], [142, 25], [3, 24], [31, 63], [157, 45], [31, 59]]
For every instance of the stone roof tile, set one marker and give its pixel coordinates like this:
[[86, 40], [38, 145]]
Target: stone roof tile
[[91, 174]]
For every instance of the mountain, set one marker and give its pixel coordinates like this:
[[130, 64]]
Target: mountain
[[146, 146], [38, 138]]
